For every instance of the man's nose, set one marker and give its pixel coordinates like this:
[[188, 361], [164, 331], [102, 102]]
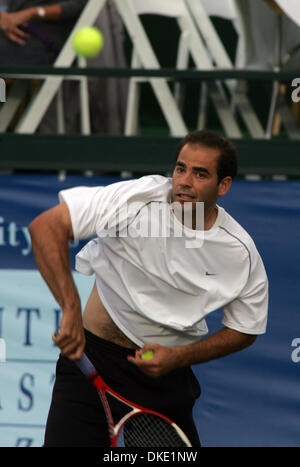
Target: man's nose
[[186, 179]]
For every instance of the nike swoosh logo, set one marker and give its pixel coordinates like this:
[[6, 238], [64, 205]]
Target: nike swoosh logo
[[209, 274]]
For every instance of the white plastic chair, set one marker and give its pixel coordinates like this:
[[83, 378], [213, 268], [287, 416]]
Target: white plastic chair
[[51, 86], [202, 10], [144, 56], [190, 44]]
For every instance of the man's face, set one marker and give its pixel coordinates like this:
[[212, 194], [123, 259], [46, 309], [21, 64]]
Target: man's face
[[195, 177]]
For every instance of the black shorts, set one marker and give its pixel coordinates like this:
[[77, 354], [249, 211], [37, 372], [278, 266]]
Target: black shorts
[[76, 417]]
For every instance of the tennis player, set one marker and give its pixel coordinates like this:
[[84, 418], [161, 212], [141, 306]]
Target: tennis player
[[151, 291]]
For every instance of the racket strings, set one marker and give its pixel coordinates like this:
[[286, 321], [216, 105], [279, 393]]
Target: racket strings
[[149, 430]]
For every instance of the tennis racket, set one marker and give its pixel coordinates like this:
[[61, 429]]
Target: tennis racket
[[138, 426]]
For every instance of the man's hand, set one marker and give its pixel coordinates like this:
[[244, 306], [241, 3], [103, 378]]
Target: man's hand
[[70, 337], [164, 360], [222, 343]]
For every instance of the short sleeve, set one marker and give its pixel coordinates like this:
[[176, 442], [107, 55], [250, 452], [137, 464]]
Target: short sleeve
[[94, 210], [248, 312], [84, 204]]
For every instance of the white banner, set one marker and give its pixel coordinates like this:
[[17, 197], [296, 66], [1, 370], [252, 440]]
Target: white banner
[[28, 317]]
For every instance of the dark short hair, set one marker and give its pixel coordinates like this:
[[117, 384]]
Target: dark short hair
[[228, 160]]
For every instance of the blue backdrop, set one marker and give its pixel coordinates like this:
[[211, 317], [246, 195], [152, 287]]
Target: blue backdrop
[[251, 398]]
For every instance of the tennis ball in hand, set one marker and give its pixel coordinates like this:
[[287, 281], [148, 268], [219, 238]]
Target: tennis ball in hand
[[87, 42], [147, 355]]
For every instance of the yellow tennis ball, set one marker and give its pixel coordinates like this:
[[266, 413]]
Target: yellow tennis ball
[[87, 41], [147, 355]]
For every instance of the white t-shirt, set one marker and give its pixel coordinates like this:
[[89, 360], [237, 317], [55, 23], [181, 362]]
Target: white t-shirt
[[155, 284]]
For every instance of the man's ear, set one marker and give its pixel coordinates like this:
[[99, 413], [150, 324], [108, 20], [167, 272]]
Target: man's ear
[[224, 186]]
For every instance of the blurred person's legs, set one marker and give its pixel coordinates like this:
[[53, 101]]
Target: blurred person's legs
[[33, 52]]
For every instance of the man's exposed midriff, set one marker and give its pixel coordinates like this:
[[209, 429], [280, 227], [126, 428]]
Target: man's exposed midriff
[[97, 320]]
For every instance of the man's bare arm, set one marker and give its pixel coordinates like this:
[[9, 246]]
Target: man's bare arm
[[50, 233], [220, 344]]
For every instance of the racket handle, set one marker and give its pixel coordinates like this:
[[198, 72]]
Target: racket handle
[[85, 365]]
